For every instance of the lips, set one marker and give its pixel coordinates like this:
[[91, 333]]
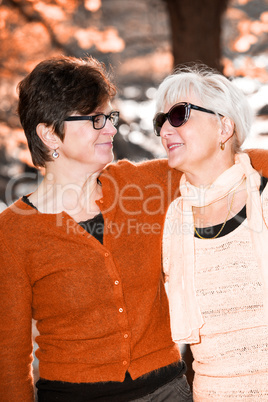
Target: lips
[[110, 143], [174, 145]]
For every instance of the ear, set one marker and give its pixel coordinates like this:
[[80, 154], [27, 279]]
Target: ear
[[47, 136], [227, 129]]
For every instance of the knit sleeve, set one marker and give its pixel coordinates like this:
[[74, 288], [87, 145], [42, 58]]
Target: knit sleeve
[[259, 160], [16, 383]]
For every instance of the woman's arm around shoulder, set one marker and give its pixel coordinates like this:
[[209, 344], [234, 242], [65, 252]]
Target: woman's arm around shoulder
[[154, 171], [259, 160]]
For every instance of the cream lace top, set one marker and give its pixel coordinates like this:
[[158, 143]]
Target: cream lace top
[[231, 361]]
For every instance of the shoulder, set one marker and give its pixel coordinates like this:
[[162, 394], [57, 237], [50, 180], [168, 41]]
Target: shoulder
[[259, 160], [7, 215], [14, 216]]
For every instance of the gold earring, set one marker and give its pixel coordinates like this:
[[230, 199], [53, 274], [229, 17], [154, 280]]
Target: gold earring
[[222, 145]]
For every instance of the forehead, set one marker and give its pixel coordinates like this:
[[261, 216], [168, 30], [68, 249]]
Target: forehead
[[105, 108], [182, 97]]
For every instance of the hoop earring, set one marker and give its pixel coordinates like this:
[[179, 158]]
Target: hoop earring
[[55, 154], [222, 145]]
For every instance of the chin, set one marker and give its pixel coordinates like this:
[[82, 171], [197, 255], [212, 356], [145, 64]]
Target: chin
[[173, 164], [105, 161]]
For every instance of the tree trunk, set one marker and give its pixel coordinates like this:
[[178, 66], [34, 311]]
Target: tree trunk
[[196, 31]]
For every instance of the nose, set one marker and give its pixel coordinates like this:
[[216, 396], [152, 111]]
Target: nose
[[110, 128], [166, 130]]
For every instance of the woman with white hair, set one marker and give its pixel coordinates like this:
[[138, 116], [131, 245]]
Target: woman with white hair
[[215, 236]]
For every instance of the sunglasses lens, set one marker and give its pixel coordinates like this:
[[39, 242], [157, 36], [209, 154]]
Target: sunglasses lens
[[159, 120], [177, 115]]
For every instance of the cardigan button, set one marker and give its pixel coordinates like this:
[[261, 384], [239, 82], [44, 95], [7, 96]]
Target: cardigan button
[[124, 362], [116, 282], [106, 254], [121, 310]]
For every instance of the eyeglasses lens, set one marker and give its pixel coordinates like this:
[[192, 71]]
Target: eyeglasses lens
[[177, 115], [99, 121], [114, 117]]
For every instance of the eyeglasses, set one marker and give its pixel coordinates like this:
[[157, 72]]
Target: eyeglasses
[[177, 116], [98, 120]]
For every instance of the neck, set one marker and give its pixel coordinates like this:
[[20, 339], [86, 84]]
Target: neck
[[74, 192], [206, 176]]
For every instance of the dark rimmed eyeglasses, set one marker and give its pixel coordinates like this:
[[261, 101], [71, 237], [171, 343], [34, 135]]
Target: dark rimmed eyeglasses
[[177, 116], [98, 120]]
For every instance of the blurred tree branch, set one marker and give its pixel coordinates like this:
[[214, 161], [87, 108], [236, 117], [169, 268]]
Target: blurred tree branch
[[196, 30]]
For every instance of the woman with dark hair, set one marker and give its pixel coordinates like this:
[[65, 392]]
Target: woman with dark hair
[[74, 254], [215, 236]]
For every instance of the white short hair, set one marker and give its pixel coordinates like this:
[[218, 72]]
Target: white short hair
[[215, 92]]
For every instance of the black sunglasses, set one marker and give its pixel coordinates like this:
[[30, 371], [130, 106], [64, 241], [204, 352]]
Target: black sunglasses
[[98, 120], [177, 115]]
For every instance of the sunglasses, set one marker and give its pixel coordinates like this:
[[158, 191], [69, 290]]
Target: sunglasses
[[98, 120], [177, 116]]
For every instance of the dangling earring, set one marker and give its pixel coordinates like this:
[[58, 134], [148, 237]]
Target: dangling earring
[[55, 154], [222, 145]]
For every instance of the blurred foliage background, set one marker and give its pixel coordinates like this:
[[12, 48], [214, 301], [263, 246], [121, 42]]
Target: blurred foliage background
[[142, 41]]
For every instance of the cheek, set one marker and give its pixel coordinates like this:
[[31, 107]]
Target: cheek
[[163, 141], [88, 139]]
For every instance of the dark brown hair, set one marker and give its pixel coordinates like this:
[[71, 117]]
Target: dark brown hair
[[55, 89]]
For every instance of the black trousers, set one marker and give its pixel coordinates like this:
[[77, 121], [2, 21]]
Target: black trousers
[[177, 390]]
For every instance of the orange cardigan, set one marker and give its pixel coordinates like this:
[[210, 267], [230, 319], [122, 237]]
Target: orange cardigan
[[100, 309]]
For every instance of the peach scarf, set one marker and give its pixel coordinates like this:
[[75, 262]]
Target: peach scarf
[[178, 243]]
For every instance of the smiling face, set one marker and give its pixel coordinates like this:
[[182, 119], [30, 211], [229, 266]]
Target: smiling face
[[85, 146], [193, 147]]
